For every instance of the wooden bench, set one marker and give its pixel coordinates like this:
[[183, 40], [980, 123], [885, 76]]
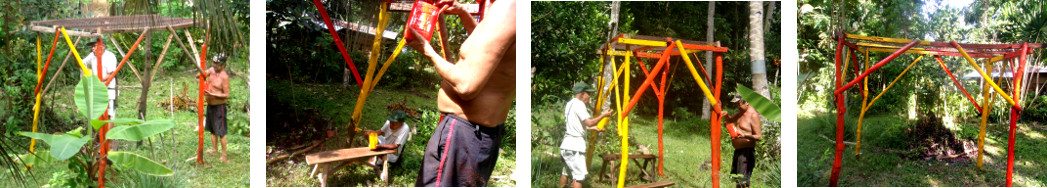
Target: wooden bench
[[646, 167], [344, 157], [654, 185]]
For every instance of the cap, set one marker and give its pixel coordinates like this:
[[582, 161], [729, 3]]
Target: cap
[[582, 86], [219, 58], [737, 98], [396, 116]]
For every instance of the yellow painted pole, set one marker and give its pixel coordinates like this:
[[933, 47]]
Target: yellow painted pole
[[617, 97], [385, 66], [383, 18], [596, 110], [987, 78], [694, 73], [892, 84], [84, 69], [861, 114], [625, 127], [36, 105], [986, 108]]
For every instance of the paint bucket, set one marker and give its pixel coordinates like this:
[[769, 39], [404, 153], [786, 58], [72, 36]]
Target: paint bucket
[[422, 19], [372, 140], [732, 130]]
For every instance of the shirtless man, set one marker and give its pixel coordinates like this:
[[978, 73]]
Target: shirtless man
[[475, 97], [747, 126], [217, 96]]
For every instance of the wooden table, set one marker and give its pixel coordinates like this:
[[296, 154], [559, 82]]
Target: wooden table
[[648, 161], [344, 157]]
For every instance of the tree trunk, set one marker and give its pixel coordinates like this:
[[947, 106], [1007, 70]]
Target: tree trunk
[[756, 51], [709, 28], [146, 80]]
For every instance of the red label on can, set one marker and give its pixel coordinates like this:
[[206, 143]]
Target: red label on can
[[421, 19]]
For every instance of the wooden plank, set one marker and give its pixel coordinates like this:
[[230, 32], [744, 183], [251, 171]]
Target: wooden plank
[[655, 184], [69, 32], [343, 154], [473, 9]]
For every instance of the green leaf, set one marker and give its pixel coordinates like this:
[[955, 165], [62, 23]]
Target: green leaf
[[126, 121], [764, 106], [133, 161], [139, 132], [91, 97], [37, 159], [63, 146], [97, 124]]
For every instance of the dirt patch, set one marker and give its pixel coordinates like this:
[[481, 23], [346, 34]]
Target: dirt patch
[[932, 141]]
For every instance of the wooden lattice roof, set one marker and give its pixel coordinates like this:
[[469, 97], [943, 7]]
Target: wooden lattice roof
[[113, 24]]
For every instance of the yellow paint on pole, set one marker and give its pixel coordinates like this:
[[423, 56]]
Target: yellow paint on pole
[[642, 42], [985, 76], [892, 84], [885, 39], [697, 77], [861, 114], [986, 108], [385, 66], [383, 19], [84, 69], [624, 128]]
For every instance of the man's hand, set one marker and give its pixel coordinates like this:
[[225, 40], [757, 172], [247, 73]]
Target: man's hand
[[453, 7], [607, 113], [723, 113], [418, 42]]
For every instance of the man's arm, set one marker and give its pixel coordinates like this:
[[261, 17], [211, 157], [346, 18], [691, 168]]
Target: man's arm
[[591, 122], [480, 54]]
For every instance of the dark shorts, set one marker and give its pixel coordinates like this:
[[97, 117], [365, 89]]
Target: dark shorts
[[460, 154], [744, 161], [216, 119]]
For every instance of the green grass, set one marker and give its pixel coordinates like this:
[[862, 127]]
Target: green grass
[[173, 147], [334, 102], [687, 150], [884, 169]]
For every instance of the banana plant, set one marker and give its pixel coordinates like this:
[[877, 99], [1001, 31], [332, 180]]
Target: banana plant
[[91, 101], [764, 106]]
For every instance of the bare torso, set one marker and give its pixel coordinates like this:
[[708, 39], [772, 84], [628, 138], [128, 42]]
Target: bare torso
[[746, 125], [491, 106], [217, 83]]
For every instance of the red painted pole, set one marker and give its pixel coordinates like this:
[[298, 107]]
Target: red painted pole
[[840, 90], [105, 116], [661, 111], [200, 102], [854, 59], [126, 56], [40, 81], [954, 81], [1015, 112], [715, 125], [338, 41], [643, 66], [841, 109]]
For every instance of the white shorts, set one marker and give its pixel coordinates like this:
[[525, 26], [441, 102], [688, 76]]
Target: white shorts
[[575, 162]]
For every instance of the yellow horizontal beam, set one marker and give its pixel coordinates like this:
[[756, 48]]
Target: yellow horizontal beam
[[885, 39], [642, 42], [907, 51], [865, 44]]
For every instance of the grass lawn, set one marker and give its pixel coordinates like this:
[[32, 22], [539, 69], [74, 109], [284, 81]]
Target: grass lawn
[[885, 169], [171, 148], [687, 154], [334, 102]]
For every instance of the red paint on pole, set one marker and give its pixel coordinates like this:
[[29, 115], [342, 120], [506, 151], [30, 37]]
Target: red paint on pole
[[1015, 112], [661, 111], [646, 82], [954, 81], [200, 103], [841, 109], [126, 56], [40, 80], [840, 90], [338, 41], [715, 125]]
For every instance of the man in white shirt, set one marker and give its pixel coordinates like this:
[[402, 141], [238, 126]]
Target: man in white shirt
[[109, 63], [394, 135], [573, 147]]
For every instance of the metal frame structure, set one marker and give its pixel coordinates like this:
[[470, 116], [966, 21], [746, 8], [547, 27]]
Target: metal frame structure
[[97, 28], [661, 48], [990, 52]]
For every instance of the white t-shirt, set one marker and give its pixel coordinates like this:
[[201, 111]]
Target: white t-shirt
[[109, 64], [574, 113], [398, 136]]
